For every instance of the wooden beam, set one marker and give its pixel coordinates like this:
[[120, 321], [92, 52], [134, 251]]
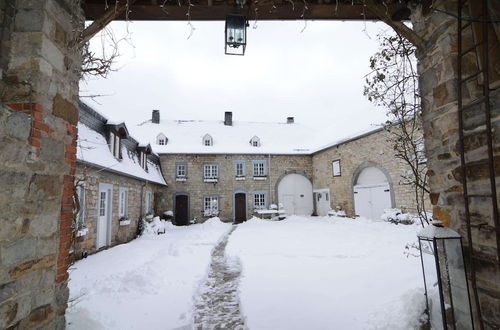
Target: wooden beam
[[208, 10], [116, 10], [384, 15]]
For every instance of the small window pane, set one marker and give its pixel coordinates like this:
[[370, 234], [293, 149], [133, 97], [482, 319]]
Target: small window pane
[[102, 204], [336, 168]]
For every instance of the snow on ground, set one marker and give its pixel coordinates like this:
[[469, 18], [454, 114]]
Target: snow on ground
[[301, 273], [327, 273], [148, 283]]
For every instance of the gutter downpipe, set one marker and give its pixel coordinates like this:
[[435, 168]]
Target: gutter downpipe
[[270, 182]]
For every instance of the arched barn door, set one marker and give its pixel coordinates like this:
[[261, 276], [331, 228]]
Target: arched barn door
[[372, 193], [296, 195]]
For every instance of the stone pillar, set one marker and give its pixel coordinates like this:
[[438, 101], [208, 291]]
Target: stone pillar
[[39, 74], [438, 86]]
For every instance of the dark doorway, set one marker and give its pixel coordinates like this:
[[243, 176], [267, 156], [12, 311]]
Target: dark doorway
[[240, 207], [181, 210]]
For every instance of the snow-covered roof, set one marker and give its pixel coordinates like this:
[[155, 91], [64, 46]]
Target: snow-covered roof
[[431, 231], [93, 149], [186, 137]]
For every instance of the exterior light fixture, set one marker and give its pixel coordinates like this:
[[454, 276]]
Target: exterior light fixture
[[236, 34], [445, 278]]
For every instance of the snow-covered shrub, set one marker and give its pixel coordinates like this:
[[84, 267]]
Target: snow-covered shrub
[[399, 217], [273, 207], [168, 215], [155, 227], [338, 213]]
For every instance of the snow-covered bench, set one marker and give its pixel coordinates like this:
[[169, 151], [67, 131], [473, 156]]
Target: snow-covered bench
[[271, 214]]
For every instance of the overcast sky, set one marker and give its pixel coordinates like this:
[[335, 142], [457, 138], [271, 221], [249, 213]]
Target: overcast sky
[[316, 75]]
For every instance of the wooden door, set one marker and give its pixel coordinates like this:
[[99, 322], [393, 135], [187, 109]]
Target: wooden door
[[181, 210], [240, 207]]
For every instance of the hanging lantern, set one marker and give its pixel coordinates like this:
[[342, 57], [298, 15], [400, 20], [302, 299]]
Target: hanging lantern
[[236, 34], [445, 280]]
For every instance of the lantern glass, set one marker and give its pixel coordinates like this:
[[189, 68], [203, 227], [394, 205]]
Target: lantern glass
[[447, 292], [236, 34]]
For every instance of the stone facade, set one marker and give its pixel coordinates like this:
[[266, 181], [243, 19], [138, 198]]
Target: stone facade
[[373, 149], [39, 76], [227, 184], [137, 209], [438, 85]]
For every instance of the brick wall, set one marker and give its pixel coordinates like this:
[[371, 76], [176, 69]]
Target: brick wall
[[227, 185], [372, 150]]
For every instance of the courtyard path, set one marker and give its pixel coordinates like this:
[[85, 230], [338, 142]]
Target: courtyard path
[[218, 306]]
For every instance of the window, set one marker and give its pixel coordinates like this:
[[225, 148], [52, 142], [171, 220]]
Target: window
[[255, 141], [210, 206], [239, 168], [207, 140], [259, 200], [259, 168], [123, 211], [210, 171], [102, 204], [161, 139], [180, 170], [80, 191], [336, 167], [143, 160], [114, 144], [148, 203]]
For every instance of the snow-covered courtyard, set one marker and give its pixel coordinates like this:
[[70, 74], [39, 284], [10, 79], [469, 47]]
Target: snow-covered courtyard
[[300, 273]]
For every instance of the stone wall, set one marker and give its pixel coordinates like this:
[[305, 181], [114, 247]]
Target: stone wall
[[90, 178], [371, 150], [438, 84], [38, 114], [227, 184]]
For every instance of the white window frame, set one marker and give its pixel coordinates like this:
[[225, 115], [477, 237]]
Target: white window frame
[[259, 168], [336, 168], [161, 139], [239, 169], [208, 140], [143, 160], [210, 171], [81, 194], [114, 144], [148, 202], [211, 205], [123, 202], [180, 173], [259, 200], [255, 141]]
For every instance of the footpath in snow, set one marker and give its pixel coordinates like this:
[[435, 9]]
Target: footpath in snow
[[148, 283], [327, 273]]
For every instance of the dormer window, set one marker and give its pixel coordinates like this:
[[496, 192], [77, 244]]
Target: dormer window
[[207, 140], [255, 142], [115, 144], [161, 139], [144, 160]]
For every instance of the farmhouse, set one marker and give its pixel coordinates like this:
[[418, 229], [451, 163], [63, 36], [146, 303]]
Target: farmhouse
[[118, 182], [232, 168]]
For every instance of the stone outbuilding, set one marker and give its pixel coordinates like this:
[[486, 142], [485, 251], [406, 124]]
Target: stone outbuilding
[[118, 182]]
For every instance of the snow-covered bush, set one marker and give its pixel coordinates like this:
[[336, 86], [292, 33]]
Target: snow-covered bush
[[338, 213], [168, 215], [155, 227], [273, 207], [399, 217]]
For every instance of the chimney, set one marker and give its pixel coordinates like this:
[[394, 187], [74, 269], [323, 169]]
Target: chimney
[[228, 118], [290, 120], [155, 117]]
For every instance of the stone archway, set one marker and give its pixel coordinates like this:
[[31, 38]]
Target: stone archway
[[295, 192]]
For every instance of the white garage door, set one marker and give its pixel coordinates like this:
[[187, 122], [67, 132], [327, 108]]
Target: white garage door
[[296, 195], [372, 194]]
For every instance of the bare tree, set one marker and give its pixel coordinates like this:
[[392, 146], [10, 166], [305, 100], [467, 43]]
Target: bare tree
[[393, 84]]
